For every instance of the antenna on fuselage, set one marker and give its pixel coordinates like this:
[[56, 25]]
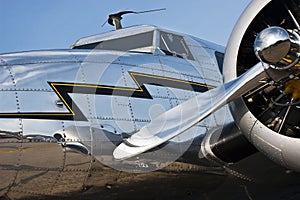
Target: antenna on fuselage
[[115, 19]]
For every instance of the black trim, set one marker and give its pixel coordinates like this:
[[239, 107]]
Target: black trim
[[64, 89]]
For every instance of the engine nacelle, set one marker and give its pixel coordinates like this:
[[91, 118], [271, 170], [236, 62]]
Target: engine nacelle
[[268, 116]]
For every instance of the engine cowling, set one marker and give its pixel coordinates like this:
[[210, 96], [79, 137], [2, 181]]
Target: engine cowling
[[269, 115]]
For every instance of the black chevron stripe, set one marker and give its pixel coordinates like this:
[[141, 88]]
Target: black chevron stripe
[[74, 113]]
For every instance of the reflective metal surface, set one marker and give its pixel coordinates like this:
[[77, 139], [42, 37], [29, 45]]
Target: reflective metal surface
[[274, 46], [38, 168], [180, 118], [268, 115], [62, 113]]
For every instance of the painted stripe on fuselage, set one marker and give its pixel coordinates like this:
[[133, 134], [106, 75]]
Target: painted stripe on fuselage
[[74, 113]]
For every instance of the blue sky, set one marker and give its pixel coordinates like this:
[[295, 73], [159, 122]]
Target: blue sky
[[57, 24]]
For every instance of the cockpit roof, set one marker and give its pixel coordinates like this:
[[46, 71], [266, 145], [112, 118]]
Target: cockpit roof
[[114, 34], [133, 38], [144, 39]]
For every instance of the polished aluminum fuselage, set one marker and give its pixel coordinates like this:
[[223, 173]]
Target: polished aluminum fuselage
[[61, 110]]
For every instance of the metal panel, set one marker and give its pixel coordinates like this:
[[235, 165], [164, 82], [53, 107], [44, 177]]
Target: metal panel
[[8, 103], [39, 101], [37, 76]]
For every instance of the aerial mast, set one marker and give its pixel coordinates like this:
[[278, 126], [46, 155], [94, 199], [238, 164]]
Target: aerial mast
[[115, 19]]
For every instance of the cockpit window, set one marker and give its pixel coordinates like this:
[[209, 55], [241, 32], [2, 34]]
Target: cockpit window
[[220, 59], [127, 43], [137, 39], [175, 45]]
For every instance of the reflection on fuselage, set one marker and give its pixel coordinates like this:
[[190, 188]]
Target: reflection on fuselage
[[37, 168]]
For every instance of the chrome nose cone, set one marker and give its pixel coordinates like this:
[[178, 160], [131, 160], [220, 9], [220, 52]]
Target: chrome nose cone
[[272, 44], [278, 47]]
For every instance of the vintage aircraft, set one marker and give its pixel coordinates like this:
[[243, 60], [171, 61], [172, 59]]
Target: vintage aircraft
[[144, 109]]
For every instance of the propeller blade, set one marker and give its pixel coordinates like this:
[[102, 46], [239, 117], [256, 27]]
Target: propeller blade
[[182, 117]]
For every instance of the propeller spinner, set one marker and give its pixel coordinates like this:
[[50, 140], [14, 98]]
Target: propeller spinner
[[278, 47]]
